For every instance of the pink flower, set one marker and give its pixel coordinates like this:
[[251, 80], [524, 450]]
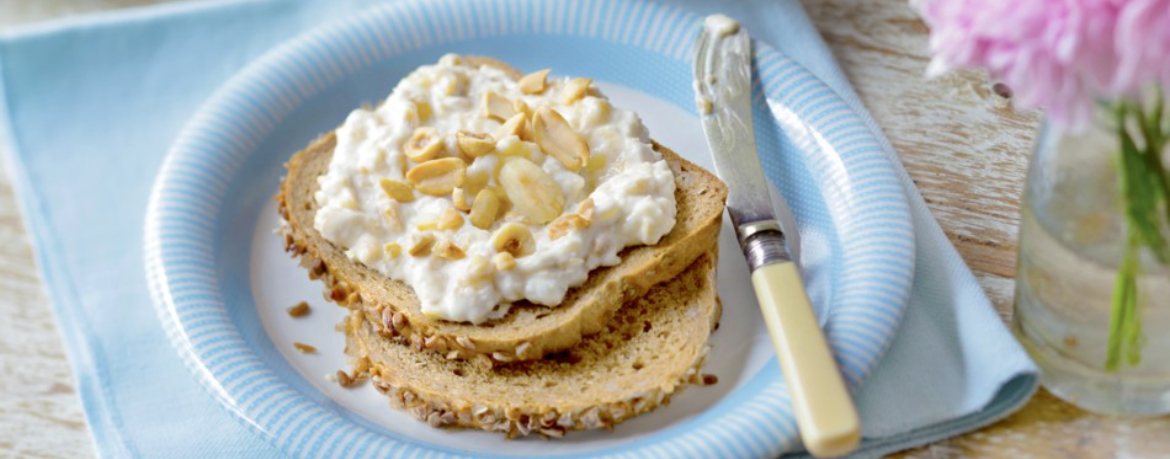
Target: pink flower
[[1056, 55]]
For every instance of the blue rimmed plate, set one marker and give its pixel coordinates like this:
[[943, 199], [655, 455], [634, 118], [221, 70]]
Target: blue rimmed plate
[[222, 282]]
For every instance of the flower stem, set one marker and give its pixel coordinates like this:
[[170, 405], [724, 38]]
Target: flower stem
[[1145, 188]]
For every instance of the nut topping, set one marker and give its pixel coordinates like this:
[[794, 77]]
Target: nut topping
[[534, 83], [423, 144], [422, 244], [513, 126], [492, 105], [447, 250], [459, 198], [564, 224], [438, 177], [531, 190], [392, 249], [575, 90], [504, 261], [514, 239], [557, 139], [451, 219], [475, 144], [484, 209], [396, 190]]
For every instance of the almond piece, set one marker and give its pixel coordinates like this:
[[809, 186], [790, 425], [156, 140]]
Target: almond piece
[[459, 198], [392, 249], [534, 83], [561, 226], [531, 190], [514, 239], [513, 126], [424, 110], [575, 90], [484, 209], [438, 177], [451, 219], [557, 139], [422, 244], [495, 106], [475, 144], [396, 190], [585, 210], [423, 144], [504, 261], [447, 250]]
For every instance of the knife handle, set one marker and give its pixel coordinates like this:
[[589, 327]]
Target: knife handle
[[825, 413]]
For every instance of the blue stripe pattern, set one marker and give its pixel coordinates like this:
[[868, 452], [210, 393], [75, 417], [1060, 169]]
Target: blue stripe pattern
[[859, 196]]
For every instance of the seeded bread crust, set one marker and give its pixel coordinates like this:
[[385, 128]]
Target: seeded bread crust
[[652, 349], [528, 331]]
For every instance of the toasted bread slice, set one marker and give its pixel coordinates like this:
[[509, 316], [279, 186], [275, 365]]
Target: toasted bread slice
[[652, 348], [528, 331]]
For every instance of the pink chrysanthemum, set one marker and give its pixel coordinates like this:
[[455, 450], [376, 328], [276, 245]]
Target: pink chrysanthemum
[[1056, 55]]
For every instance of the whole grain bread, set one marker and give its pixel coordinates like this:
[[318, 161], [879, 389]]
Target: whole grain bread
[[528, 331], [652, 349]]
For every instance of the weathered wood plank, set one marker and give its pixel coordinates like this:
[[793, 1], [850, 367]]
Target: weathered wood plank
[[963, 146]]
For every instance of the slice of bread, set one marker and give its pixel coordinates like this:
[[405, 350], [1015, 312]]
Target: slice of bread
[[528, 331], [652, 348]]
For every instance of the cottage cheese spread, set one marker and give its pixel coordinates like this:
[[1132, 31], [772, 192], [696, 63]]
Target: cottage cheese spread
[[478, 190]]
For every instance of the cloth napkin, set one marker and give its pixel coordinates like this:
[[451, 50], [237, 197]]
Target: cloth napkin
[[91, 104]]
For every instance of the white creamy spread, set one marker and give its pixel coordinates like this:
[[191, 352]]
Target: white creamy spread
[[720, 25], [621, 194]]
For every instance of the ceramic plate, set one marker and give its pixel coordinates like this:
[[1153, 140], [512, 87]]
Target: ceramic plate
[[222, 282]]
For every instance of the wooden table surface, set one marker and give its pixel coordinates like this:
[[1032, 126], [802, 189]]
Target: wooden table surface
[[962, 144]]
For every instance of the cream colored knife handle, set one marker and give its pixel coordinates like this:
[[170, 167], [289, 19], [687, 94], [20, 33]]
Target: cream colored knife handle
[[824, 410]]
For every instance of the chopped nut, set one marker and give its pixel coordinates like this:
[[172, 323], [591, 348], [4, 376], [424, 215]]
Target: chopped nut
[[465, 342], [557, 139], [475, 144], [574, 90], [531, 190], [492, 105], [595, 164], [392, 220], [438, 177], [422, 244], [513, 126], [300, 310], [534, 83], [397, 191], [515, 239], [447, 250], [568, 222], [305, 348], [459, 198], [392, 249], [585, 210], [423, 144], [504, 261], [450, 220], [424, 110], [484, 209], [478, 269]]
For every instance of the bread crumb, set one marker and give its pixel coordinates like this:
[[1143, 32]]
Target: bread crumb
[[305, 348], [300, 310]]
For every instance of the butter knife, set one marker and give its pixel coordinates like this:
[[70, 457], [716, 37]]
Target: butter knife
[[825, 413]]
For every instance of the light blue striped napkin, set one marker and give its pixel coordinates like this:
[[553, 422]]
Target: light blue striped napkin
[[90, 105]]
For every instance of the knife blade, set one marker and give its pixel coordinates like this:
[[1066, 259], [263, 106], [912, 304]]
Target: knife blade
[[825, 414], [723, 85]]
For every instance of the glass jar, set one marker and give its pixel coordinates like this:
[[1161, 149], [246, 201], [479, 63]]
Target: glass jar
[[1092, 299]]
